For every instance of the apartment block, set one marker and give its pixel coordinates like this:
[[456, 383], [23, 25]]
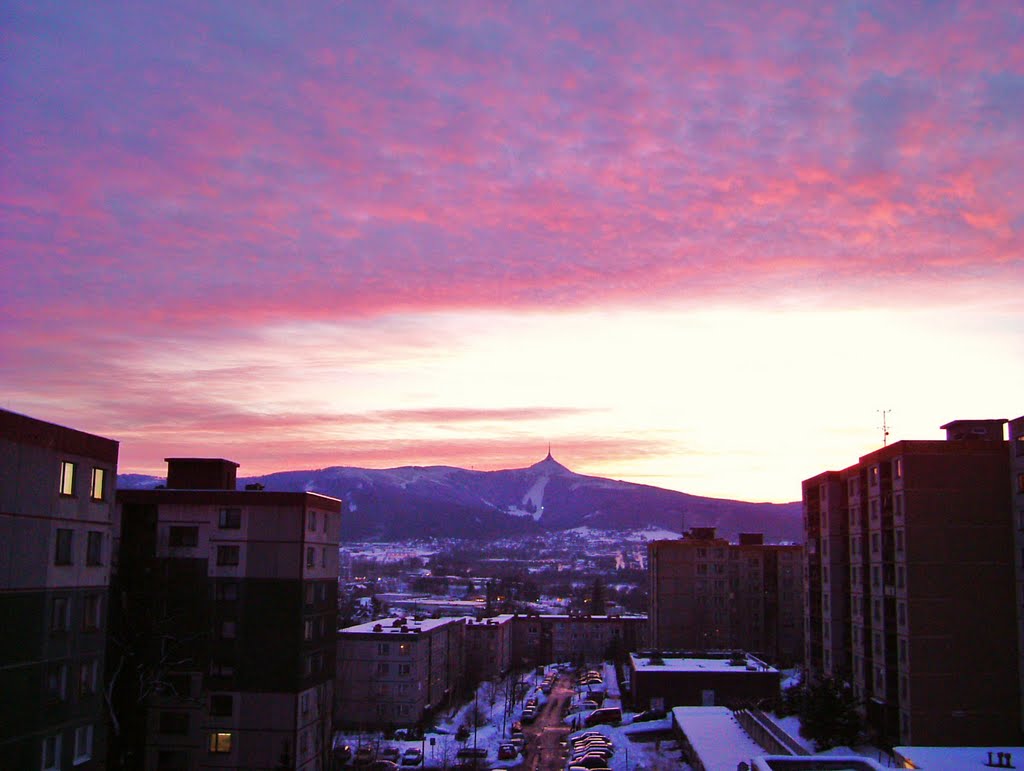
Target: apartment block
[[1016, 431], [488, 648], [709, 594], [545, 638], [398, 672], [910, 587], [226, 601], [56, 515]]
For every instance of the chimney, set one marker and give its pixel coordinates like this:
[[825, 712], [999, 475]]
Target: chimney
[[201, 474]]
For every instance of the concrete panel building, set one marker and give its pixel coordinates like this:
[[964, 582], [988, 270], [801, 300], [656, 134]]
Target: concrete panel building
[[488, 648], [910, 585], [667, 679], [56, 517], [227, 600], [398, 672], [707, 593]]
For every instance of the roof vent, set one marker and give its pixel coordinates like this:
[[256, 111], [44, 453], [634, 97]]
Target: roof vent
[[378, 628]]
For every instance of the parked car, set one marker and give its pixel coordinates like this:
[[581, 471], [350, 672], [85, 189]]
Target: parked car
[[412, 757], [651, 714], [507, 752], [610, 715], [471, 753], [364, 755], [592, 761], [388, 753], [604, 750], [592, 742]]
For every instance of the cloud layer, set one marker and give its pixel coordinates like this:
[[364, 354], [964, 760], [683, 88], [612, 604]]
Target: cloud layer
[[183, 181]]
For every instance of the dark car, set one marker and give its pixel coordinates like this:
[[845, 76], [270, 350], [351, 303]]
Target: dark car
[[611, 715], [507, 752], [651, 714]]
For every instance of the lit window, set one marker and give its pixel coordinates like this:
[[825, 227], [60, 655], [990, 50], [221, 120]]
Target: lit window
[[62, 553], [873, 476], [220, 741], [897, 468], [96, 489], [51, 753], [67, 477], [230, 519], [94, 548], [227, 555]]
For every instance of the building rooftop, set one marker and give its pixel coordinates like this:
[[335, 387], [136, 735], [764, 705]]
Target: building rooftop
[[957, 758], [642, 662], [716, 737], [400, 625]]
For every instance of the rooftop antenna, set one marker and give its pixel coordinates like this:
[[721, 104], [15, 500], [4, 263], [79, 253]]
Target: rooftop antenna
[[885, 426]]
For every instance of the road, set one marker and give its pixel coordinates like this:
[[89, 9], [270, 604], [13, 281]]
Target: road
[[543, 752]]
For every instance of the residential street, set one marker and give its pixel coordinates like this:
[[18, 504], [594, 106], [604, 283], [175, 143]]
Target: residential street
[[544, 753]]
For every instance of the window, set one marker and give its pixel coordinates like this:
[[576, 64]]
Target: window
[[228, 630], [875, 543], [51, 753], [310, 589], [67, 477], [899, 540], [57, 682], [227, 591], [96, 489], [897, 468], [383, 649], [851, 487], [87, 674], [310, 557], [227, 555], [62, 553], [94, 548], [312, 521], [323, 557], [230, 519], [404, 669], [304, 703], [307, 629], [173, 723], [183, 536], [220, 742], [900, 577], [383, 668], [60, 614], [91, 613], [83, 744], [901, 614], [222, 704], [873, 476]]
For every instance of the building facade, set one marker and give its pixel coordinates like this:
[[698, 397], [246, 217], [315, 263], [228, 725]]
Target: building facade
[[546, 638], [227, 600], [707, 593], [1016, 431], [56, 515], [910, 587], [667, 679], [488, 648], [398, 672]]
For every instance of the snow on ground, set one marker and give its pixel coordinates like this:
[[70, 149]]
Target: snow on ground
[[791, 725]]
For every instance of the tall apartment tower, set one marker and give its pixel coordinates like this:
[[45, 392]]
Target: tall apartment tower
[[909, 576], [1017, 496], [225, 601], [707, 593], [56, 514]]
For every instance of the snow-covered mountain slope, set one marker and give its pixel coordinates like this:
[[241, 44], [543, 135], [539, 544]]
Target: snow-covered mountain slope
[[443, 501]]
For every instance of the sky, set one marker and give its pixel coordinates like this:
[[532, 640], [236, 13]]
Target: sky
[[696, 245]]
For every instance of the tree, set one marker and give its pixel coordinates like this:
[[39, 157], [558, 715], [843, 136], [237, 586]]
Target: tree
[[828, 714]]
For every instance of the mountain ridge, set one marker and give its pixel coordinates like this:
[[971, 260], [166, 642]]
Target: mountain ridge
[[448, 501]]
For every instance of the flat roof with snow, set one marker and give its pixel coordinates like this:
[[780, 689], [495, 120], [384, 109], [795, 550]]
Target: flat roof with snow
[[716, 737], [957, 758], [647, 663], [406, 625]]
